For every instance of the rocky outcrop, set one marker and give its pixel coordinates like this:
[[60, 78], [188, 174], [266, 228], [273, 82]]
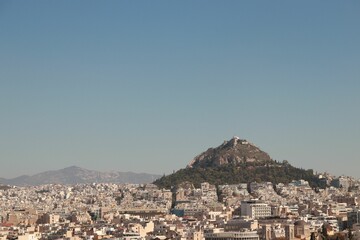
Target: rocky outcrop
[[233, 152]]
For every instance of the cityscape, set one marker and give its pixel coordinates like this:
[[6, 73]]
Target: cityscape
[[179, 120], [187, 210]]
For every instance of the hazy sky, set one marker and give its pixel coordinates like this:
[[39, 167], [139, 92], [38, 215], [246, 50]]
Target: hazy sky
[[145, 86]]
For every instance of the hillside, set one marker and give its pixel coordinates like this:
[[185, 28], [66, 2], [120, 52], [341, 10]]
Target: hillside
[[236, 161], [235, 151]]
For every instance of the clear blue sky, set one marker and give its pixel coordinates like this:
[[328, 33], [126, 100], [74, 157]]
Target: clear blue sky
[[145, 86]]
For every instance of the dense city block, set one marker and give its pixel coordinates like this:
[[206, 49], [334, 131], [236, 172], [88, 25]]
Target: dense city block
[[248, 211]]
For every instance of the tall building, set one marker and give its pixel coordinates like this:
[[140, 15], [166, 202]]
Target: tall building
[[255, 209], [245, 235]]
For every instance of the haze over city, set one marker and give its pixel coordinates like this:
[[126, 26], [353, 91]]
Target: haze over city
[[146, 86]]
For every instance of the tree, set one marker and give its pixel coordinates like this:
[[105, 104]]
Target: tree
[[350, 235], [324, 232]]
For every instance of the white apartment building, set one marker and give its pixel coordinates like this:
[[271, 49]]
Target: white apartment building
[[255, 209], [246, 235]]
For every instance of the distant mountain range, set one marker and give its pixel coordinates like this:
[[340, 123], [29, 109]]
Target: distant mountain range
[[74, 175], [237, 161]]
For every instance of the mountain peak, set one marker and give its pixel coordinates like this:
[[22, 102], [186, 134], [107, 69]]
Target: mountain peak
[[236, 138], [233, 151], [73, 167]]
